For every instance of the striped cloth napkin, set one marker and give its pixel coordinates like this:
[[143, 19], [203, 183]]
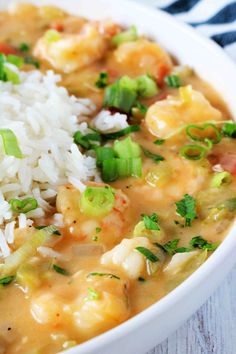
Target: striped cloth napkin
[[213, 18]]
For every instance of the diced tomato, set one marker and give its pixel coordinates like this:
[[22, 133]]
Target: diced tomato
[[7, 49], [57, 26], [162, 71], [228, 162]]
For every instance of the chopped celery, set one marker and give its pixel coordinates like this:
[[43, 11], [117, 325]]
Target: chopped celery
[[183, 265], [26, 251], [27, 276], [52, 36]]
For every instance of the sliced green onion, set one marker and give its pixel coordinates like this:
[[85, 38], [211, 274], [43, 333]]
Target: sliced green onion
[[109, 170], [155, 157], [7, 280], [10, 143], [60, 270], [126, 36], [97, 201], [24, 205], [221, 178], [147, 254], [121, 95], [79, 139], [107, 275], [24, 47], [229, 129], [104, 153], [147, 87], [129, 167], [183, 250], [52, 36], [127, 148], [15, 60], [202, 128], [173, 81], [193, 152], [32, 61], [11, 76], [122, 132], [102, 81]]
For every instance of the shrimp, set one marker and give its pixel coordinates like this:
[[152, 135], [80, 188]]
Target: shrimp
[[165, 117], [126, 257], [107, 229], [70, 52], [140, 57], [102, 304]]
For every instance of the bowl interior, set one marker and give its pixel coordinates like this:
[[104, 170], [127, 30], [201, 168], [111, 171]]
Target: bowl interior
[[212, 65]]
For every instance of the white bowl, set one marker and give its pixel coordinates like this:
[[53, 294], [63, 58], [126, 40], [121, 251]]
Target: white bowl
[[144, 331]]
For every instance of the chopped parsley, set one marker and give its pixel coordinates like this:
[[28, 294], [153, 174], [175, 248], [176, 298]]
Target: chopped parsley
[[98, 229], [92, 295], [169, 247], [7, 280], [186, 208], [155, 157], [60, 270], [151, 222], [108, 275], [200, 242], [229, 129], [147, 254], [24, 47], [159, 141], [102, 80]]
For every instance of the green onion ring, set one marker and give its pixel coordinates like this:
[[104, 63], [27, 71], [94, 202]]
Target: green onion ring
[[185, 152], [202, 128]]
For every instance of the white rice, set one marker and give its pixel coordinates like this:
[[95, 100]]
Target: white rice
[[107, 122], [44, 118]]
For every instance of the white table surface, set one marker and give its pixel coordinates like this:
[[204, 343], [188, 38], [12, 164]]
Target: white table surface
[[212, 330]]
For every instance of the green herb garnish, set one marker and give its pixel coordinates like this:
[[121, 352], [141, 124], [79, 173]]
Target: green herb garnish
[[7, 280], [187, 209], [24, 47], [159, 142], [173, 81], [155, 157], [151, 222], [200, 242], [60, 270], [102, 81], [147, 254], [107, 275], [229, 129], [32, 61], [141, 279], [24, 205]]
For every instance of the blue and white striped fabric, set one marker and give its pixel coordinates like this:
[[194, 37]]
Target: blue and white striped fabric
[[213, 18]]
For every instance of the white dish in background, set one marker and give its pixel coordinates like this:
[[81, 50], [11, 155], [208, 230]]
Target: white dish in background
[[153, 325]]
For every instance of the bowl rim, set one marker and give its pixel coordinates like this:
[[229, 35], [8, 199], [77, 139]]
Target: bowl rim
[[209, 266], [225, 250]]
